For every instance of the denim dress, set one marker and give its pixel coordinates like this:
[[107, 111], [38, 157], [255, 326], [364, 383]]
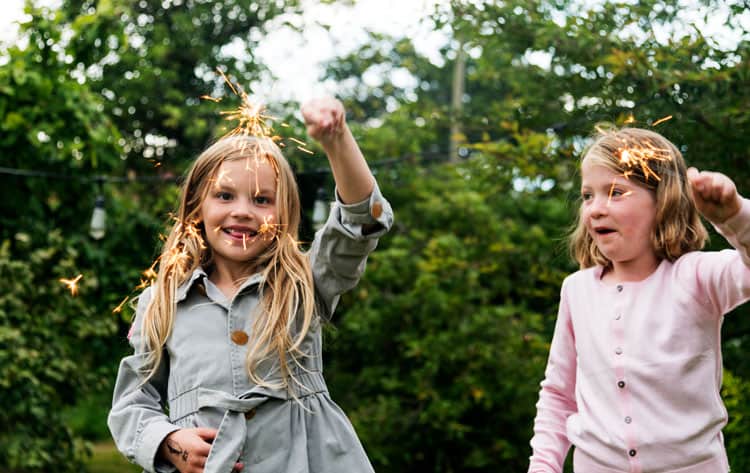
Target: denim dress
[[202, 380]]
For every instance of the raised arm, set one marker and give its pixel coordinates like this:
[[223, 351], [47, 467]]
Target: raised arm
[[326, 123], [721, 279], [360, 215], [715, 195]]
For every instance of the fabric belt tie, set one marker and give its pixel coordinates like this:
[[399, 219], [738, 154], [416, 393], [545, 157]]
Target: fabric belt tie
[[230, 438]]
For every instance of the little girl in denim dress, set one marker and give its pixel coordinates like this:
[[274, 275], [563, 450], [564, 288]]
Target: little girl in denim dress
[[227, 370]]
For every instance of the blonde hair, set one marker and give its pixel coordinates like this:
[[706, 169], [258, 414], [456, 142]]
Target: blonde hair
[[285, 313], [663, 171]]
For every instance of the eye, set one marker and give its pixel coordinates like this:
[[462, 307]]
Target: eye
[[616, 192], [586, 196], [262, 200], [223, 195]]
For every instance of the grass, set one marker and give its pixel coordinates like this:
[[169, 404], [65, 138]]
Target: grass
[[106, 459]]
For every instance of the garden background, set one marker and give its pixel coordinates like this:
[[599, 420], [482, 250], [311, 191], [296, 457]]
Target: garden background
[[438, 353]]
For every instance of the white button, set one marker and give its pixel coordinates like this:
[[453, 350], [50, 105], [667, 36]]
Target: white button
[[628, 420], [618, 316], [619, 288], [618, 351]]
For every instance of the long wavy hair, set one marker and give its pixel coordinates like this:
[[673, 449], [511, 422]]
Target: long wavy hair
[[678, 228], [286, 310]]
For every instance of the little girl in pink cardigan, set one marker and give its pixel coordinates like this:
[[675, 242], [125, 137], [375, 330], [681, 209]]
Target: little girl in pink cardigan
[[634, 370]]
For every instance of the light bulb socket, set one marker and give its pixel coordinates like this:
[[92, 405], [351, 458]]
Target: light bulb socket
[[98, 225]]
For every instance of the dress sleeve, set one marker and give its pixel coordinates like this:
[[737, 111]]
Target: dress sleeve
[[722, 279], [550, 442], [340, 249], [137, 420]]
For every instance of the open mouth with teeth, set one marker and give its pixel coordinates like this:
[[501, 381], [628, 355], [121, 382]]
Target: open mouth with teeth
[[236, 234]]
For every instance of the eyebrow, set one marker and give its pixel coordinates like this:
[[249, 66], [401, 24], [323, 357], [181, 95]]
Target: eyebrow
[[224, 186]]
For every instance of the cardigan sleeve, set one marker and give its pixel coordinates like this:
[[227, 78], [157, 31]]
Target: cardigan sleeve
[[339, 251], [557, 402], [137, 421], [721, 280]]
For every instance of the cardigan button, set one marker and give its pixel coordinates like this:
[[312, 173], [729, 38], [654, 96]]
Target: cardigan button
[[628, 420], [376, 210], [619, 288], [239, 337], [621, 384], [632, 452], [618, 351]]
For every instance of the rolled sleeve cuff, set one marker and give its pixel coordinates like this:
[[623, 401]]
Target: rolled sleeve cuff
[[152, 437], [370, 218]]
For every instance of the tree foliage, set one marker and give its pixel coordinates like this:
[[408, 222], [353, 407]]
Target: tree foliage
[[437, 355]]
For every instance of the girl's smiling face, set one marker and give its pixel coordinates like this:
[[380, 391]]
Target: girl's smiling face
[[620, 216], [240, 200]]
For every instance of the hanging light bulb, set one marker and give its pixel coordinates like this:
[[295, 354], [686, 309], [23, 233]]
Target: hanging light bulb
[[320, 209], [98, 226]]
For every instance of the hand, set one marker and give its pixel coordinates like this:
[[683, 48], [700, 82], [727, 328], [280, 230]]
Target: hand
[[325, 119], [715, 195], [188, 449]]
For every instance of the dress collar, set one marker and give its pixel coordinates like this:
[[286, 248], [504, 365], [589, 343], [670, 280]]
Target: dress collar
[[198, 276], [184, 288]]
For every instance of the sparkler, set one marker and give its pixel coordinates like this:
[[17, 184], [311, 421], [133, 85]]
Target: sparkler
[[633, 156], [72, 283], [252, 117]]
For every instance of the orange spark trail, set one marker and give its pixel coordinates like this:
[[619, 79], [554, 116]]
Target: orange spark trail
[[662, 120], [72, 283]]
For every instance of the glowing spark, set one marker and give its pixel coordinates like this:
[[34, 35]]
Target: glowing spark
[[143, 285], [222, 176], [662, 120], [630, 119], [150, 273], [267, 227], [611, 191], [213, 99], [251, 117], [177, 258], [72, 283], [302, 143], [191, 231], [119, 307], [625, 157], [229, 83], [305, 150], [641, 156]]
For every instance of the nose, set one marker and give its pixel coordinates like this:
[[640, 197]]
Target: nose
[[242, 210], [598, 207]]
